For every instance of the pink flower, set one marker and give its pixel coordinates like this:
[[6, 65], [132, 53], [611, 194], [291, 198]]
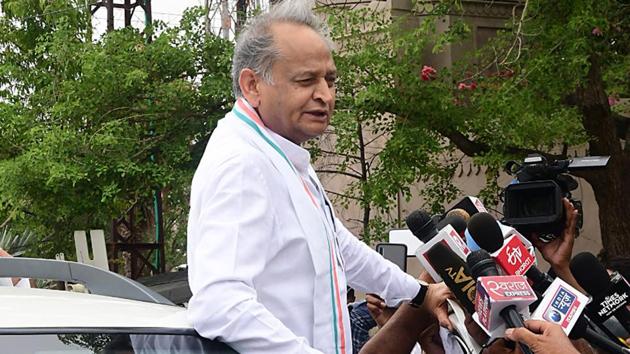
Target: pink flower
[[428, 73], [465, 86], [597, 32], [612, 100]]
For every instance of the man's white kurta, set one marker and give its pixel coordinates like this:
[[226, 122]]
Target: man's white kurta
[[259, 248]]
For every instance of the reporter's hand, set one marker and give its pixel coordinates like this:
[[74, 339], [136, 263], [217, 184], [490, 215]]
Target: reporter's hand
[[542, 338], [379, 311], [435, 303], [558, 252]]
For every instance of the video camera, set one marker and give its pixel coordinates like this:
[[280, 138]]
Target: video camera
[[533, 203]]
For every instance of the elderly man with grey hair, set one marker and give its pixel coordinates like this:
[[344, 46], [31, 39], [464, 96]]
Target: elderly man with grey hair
[[268, 260]]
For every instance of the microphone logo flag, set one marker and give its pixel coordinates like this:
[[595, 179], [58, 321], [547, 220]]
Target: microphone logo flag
[[514, 257], [562, 304], [562, 307]]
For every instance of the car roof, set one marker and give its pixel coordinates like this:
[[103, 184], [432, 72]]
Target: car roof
[[43, 308]]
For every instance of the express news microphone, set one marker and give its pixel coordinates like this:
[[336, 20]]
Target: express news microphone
[[425, 229], [500, 299], [610, 294], [563, 305], [511, 254]]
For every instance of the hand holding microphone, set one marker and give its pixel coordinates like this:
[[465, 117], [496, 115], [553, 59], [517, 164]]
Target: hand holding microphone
[[542, 338]]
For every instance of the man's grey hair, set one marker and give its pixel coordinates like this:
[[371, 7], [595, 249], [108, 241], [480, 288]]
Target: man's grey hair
[[255, 48]]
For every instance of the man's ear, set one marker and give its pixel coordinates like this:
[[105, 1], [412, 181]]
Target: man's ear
[[249, 83]]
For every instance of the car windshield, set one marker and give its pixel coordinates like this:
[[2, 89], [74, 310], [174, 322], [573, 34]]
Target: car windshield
[[106, 343]]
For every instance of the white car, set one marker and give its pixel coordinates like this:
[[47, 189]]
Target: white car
[[118, 316]]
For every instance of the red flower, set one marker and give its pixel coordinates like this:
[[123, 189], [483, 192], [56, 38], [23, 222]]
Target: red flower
[[427, 73], [597, 32]]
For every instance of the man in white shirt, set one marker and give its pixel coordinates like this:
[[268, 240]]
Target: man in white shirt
[[268, 260]]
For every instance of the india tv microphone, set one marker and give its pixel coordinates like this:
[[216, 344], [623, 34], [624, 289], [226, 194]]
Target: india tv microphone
[[499, 299], [425, 229], [454, 272], [610, 294], [511, 254]]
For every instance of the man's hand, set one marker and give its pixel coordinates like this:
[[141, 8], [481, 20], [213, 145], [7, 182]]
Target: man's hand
[[542, 338], [435, 302], [558, 252]]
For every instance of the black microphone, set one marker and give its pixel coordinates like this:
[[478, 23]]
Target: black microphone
[[421, 225], [610, 295], [485, 231], [455, 274], [456, 221], [482, 265], [582, 330]]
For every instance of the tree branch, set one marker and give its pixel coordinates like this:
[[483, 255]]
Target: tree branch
[[341, 173]]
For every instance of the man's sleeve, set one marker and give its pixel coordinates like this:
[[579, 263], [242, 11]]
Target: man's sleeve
[[368, 271], [230, 228]]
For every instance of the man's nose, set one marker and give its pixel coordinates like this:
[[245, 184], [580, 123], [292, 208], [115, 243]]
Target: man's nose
[[323, 92]]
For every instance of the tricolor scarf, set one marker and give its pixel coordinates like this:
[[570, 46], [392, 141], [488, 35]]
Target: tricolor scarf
[[244, 112]]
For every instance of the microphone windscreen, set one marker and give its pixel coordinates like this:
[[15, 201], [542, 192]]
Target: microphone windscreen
[[590, 273], [481, 264], [421, 225], [457, 222], [459, 212], [485, 230]]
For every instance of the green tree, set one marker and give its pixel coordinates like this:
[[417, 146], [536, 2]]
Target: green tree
[[544, 84], [92, 127]]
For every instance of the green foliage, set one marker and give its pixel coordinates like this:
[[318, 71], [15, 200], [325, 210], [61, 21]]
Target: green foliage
[[90, 128], [514, 96]]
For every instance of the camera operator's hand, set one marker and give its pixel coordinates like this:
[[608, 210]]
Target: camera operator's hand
[[542, 338], [558, 252]]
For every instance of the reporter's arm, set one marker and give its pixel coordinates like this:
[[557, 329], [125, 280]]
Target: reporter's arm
[[400, 333]]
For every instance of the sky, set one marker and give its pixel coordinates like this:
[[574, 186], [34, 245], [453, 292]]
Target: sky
[[169, 11]]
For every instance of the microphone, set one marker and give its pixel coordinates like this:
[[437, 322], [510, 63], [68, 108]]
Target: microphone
[[424, 228], [454, 272], [564, 305], [499, 299], [457, 277], [610, 294], [421, 225], [511, 254], [456, 221], [582, 330]]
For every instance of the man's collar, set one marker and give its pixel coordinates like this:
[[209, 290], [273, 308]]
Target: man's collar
[[299, 157]]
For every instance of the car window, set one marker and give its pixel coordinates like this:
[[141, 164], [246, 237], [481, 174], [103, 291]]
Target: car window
[[101, 343]]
